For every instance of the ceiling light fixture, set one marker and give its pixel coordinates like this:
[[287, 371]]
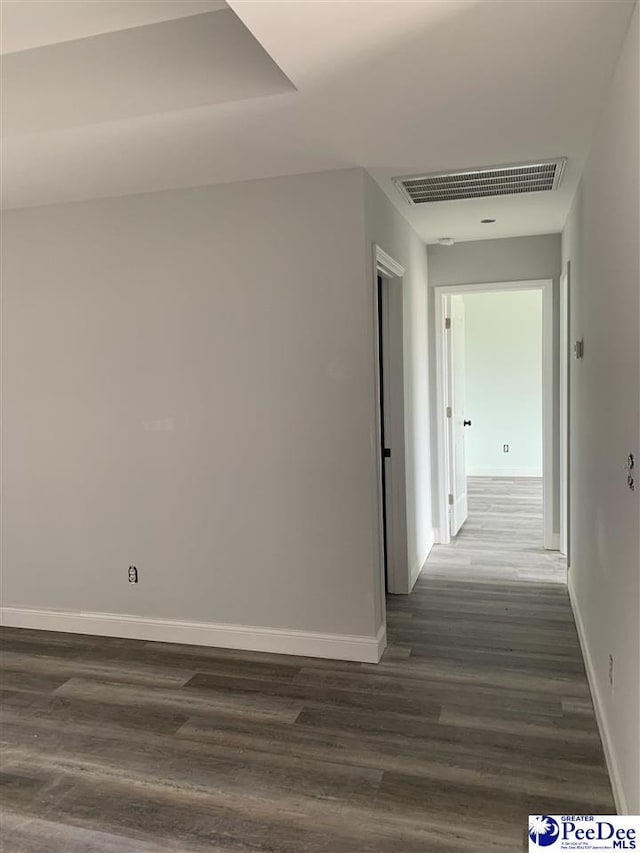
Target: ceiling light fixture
[[446, 241]]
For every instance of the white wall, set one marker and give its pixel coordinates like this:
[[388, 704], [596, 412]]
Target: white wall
[[509, 259], [189, 387], [503, 347], [601, 242], [385, 226]]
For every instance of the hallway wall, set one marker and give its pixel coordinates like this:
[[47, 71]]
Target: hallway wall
[[508, 259], [601, 243]]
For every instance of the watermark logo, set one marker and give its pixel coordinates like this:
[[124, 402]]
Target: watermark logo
[[583, 832], [543, 830]]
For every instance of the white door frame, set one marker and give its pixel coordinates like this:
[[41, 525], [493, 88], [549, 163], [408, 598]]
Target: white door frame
[[398, 571], [565, 284], [456, 346], [546, 286]]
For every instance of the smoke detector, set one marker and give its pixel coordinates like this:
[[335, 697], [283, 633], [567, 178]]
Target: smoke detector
[[446, 241], [536, 176]]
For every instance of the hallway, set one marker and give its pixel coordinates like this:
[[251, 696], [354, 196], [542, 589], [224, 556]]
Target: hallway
[[502, 537], [489, 634]]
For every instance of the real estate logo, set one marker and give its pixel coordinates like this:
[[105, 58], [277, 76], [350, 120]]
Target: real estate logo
[[543, 830], [583, 832]]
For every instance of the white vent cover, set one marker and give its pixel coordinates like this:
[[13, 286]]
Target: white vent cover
[[539, 176]]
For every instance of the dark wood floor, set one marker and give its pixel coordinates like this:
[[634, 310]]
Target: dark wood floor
[[478, 715]]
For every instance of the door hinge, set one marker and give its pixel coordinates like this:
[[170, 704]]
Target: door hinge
[[450, 500], [447, 323], [449, 412]]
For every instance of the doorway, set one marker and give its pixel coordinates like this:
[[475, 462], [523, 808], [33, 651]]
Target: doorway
[[383, 300], [390, 419], [512, 440]]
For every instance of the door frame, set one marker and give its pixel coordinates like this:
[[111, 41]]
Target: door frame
[[550, 540], [398, 571], [565, 380], [450, 427]]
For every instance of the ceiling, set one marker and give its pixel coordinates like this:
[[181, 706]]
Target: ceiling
[[109, 97], [162, 67], [34, 23]]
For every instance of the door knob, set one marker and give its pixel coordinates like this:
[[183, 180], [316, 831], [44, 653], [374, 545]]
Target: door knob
[[466, 423]]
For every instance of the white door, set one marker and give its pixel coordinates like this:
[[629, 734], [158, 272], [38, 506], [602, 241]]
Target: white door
[[456, 416]]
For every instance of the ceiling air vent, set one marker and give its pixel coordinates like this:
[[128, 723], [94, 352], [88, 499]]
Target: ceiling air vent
[[539, 176]]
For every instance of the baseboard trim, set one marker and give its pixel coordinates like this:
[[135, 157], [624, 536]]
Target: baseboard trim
[[605, 736], [554, 542], [381, 640], [504, 472], [363, 649]]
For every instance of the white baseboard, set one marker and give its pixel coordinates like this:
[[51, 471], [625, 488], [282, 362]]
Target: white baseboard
[[605, 735], [554, 542], [504, 472], [280, 641]]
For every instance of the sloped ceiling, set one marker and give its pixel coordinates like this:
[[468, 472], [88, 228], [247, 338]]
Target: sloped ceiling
[[397, 88], [34, 23], [197, 61]]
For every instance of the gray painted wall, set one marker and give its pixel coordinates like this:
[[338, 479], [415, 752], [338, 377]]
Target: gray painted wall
[[601, 242], [236, 316], [189, 387], [509, 259]]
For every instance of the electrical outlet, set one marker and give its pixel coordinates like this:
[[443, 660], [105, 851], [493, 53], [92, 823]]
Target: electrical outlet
[[629, 467], [505, 448], [133, 574], [611, 670]]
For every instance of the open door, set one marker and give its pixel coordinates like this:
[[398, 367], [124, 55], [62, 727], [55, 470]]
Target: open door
[[392, 450], [456, 415]]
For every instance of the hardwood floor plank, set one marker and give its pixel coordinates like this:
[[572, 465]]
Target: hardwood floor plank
[[471, 806], [256, 706], [65, 711], [65, 668], [30, 835]]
